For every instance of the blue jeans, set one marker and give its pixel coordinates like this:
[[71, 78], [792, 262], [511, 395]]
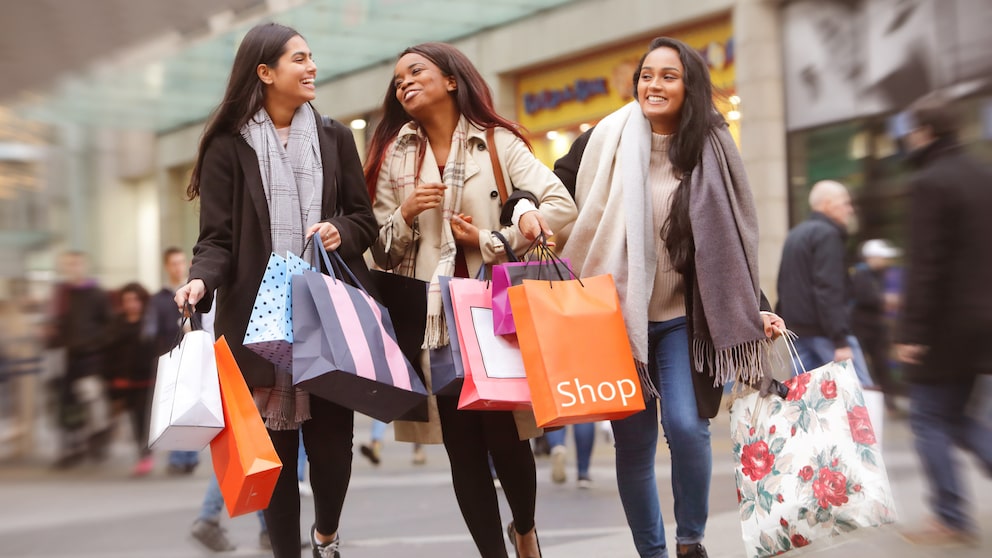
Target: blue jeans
[[688, 437], [585, 437], [378, 430], [184, 458], [213, 504], [301, 461], [817, 351], [939, 422]]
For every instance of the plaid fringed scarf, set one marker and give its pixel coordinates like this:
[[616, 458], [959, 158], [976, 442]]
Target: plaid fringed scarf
[[408, 156]]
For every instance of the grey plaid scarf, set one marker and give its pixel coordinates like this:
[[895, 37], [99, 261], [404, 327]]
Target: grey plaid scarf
[[293, 179], [408, 155]]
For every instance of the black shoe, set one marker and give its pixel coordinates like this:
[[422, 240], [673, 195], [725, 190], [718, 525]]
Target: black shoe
[[326, 550], [695, 551]]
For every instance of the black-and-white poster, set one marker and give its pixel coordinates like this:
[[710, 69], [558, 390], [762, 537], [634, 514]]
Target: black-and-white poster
[[851, 58]]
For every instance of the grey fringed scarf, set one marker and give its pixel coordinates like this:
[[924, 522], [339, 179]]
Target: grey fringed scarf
[[613, 234]]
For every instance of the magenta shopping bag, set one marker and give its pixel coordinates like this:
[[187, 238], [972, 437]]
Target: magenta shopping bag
[[543, 266]]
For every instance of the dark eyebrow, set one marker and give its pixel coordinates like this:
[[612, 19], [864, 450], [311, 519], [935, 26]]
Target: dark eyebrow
[[299, 52], [666, 69], [410, 67]]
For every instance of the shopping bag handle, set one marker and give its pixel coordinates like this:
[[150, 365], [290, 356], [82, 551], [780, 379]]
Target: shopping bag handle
[[557, 260], [188, 316], [337, 268]]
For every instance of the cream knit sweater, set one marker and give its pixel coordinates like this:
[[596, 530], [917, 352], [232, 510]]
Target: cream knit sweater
[[668, 296]]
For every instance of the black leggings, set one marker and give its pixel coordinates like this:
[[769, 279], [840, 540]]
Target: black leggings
[[327, 437], [470, 437]]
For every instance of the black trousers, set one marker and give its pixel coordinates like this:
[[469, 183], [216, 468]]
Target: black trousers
[[327, 437], [470, 437]]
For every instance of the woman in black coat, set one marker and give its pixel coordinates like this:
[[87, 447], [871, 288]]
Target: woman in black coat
[[271, 173]]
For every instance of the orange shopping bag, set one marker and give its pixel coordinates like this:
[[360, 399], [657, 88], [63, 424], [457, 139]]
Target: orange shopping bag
[[245, 461], [575, 349]]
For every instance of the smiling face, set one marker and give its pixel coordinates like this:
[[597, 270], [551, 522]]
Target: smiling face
[[421, 86], [291, 81], [661, 89]]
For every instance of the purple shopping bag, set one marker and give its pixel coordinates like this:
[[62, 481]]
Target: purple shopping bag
[[513, 273]]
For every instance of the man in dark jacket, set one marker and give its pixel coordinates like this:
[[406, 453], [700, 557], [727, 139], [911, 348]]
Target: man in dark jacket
[[946, 325], [812, 281], [871, 305], [80, 324]]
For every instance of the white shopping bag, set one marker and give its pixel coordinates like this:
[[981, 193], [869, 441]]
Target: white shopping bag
[[186, 407]]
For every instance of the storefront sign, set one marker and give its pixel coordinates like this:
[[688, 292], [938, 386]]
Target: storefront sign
[[591, 87]]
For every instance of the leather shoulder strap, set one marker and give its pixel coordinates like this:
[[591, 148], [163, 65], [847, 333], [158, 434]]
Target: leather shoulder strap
[[497, 169]]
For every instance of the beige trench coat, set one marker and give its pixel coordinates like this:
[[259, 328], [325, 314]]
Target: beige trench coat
[[480, 199]]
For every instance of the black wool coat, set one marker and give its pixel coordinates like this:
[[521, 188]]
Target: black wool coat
[[948, 299], [235, 239]]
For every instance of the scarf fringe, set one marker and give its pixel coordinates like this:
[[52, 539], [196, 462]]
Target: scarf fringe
[[648, 388], [743, 364], [436, 334]]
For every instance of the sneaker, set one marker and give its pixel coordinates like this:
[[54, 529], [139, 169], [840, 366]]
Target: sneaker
[[694, 551], [305, 489], [419, 455], [937, 533], [584, 482], [264, 542], [211, 535], [372, 451], [326, 550], [558, 464], [143, 467]]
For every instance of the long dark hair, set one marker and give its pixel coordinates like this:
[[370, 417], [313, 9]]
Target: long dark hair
[[698, 116], [263, 44], [472, 97]]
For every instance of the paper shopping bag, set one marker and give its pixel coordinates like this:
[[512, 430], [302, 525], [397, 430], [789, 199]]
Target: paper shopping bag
[[494, 369], [186, 405], [245, 462], [808, 465], [270, 328], [447, 369], [345, 347], [579, 364], [509, 274]]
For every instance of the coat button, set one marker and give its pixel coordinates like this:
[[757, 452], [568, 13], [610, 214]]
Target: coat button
[[494, 194], [482, 147]]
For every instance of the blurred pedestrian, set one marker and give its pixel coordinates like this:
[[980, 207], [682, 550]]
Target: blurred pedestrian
[[270, 173], [946, 325], [870, 307], [653, 181], [132, 368], [80, 324], [373, 450], [813, 282], [584, 435], [162, 324], [437, 205]]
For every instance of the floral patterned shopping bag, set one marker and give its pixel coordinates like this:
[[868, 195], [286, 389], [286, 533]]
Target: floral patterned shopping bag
[[808, 465]]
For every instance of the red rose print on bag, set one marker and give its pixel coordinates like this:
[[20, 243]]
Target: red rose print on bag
[[757, 461], [830, 488], [829, 389], [797, 387], [799, 540], [806, 473], [861, 429]]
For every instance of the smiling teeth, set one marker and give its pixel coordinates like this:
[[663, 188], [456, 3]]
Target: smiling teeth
[[655, 98], [308, 81]]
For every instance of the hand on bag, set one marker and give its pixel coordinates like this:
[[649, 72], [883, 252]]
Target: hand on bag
[[190, 293], [532, 224], [329, 235], [843, 353], [774, 325], [911, 354], [464, 231], [425, 196]]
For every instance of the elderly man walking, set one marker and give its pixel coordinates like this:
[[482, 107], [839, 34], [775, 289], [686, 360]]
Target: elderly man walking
[[812, 281]]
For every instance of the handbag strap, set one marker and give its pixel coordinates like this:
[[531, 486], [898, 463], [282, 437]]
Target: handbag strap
[[497, 169]]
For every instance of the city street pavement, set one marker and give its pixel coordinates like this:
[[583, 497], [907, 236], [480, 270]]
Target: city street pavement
[[398, 509]]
